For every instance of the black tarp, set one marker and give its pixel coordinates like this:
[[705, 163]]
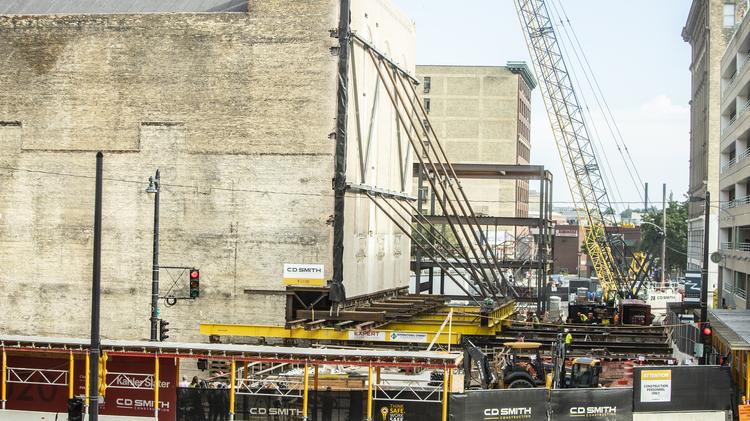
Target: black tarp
[[600, 404], [682, 388], [501, 404]]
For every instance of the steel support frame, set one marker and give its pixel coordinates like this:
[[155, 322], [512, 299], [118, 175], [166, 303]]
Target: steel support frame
[[543, 223], [426, 147]]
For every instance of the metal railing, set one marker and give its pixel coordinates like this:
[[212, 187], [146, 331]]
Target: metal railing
[[744, 200], [741, 293], [735, 246], [729, 287], [742, 63], [739, 158]]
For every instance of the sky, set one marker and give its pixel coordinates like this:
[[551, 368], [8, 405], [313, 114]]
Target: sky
[[637, 54]]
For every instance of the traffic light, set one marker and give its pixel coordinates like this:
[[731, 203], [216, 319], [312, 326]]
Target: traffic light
[[163, 330], [706, 334], [195, 283], [103, 374], [75, 409]]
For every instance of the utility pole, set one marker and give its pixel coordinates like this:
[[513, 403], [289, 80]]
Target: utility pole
[[664, 235], [154, 186], [645, 197], [95, 348], [704, 271]]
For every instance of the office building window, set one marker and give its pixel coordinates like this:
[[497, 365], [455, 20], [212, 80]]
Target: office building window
[[729, 17], [427, 105], [427, 83]]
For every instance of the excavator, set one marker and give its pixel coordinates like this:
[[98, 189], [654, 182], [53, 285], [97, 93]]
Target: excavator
[[620, 272], [522, 366]]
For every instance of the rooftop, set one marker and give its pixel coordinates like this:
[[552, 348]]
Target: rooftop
[[80, 7], [733, 326]]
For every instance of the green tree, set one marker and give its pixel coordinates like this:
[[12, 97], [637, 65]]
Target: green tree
[[676, 235]]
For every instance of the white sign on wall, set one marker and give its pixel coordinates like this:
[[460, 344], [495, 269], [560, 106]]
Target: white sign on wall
[[408, 337], [304, 274], [366, 335], [656, 386]]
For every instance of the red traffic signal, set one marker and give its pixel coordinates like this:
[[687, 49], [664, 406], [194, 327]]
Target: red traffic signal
[[195, 283], [707, 331]]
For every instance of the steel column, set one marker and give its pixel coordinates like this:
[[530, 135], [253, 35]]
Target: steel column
[[95, 348], [306, 391], [71, 376], [369, 394], [4, 379], [232, 389], [156, 387], [339, 177]]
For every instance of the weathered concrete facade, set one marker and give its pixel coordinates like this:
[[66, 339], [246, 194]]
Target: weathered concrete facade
[[235, 109], [709, 26]]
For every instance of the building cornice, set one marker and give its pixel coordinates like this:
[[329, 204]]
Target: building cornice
[[689, 28]]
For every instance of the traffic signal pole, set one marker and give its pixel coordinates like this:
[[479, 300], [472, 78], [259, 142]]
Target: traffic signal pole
[[94, 350], [155, 187]]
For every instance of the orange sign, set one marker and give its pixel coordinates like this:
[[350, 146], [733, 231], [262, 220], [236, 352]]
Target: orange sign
[[744, 412]]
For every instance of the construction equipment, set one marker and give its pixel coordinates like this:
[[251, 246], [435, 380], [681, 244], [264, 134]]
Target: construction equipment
[[524, 366], [584, 371], [619, 273], [475, 356]]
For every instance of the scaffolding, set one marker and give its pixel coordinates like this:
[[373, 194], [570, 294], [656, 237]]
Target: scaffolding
[[282, 372], [529, 252]]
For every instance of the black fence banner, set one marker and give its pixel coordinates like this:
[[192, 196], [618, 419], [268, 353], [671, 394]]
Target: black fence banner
[[325, 405], [682, 388], [615, 404], [499, 405]]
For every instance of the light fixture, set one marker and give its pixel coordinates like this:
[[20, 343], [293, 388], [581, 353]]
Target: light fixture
[[153, 185]]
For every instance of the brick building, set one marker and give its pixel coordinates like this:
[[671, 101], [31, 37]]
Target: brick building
[[235, 103]]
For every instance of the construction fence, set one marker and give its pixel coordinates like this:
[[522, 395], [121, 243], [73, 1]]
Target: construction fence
[[656, 391]]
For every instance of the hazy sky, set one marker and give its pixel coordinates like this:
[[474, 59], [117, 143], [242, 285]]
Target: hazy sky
[[636, 51]]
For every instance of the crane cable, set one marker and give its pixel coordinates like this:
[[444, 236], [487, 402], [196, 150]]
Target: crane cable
[[607, 174], [601, 100]]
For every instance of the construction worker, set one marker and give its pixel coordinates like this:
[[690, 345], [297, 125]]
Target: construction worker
[[617, 319], [582, 317], [568, 340]]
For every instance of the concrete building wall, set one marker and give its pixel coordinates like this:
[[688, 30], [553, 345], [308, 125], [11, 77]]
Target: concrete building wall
[[482, 115], [236, 110], [707, 31], [377, 252], [734, 178]]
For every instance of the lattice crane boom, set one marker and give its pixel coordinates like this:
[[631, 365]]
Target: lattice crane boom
[[574, 144]]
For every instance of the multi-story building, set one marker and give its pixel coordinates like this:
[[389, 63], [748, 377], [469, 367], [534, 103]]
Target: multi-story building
[[709, 26], [482, 115], [734, 179], [235, 101]]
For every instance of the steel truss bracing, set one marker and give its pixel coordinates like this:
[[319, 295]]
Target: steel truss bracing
[[45, 376], [479, 275], [575, 147], [409, 390]]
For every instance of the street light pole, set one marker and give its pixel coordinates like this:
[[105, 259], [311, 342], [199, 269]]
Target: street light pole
[[154, 186], [664, 231], [704, 271]]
